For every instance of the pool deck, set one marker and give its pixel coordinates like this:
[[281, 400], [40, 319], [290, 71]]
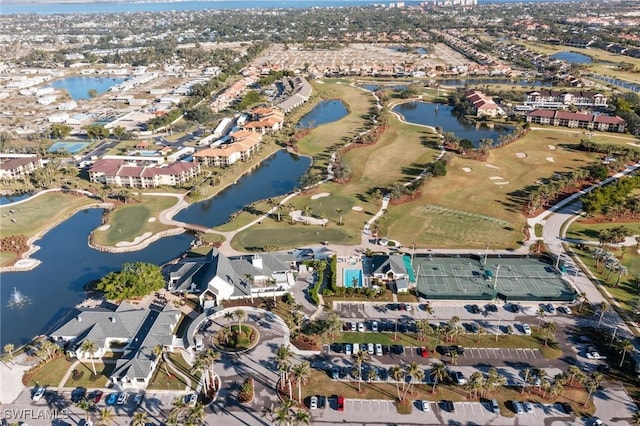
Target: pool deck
[[349, 262]]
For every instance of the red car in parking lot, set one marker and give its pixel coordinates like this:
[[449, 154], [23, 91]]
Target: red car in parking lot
[[424, 352], [341, 403]]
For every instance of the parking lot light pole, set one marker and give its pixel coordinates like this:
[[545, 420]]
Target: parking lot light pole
[[613, 336], [495, 282]]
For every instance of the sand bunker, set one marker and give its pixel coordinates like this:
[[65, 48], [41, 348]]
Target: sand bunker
[[151, 219], [491, 166], [297, 216], [500, 183], [632, 143], [551, 147], [320, 195], [357, 208], [104, 227], [135, 241], [496, 178], [521, 154], [466, 169], [551, 160]]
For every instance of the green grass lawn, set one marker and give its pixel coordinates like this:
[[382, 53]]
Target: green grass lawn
[[172, 381], [39, 213], [104, 372], [51, 374], [132, 220], [589, 231]]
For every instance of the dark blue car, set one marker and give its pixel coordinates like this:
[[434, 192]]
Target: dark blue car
[[111, 399]]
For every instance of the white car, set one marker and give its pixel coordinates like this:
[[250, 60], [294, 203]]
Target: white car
[[528, 407], [313, 403], [370, 348], [595, 355], [526, 329], [361, 327], [122, 398], [374, 326], [378, 349], [354, 326], [347, 349], [425, 406], [38, 394], [191, 400], [407, 307]]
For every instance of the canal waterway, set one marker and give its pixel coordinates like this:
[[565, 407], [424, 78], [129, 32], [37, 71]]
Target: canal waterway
[[324, 112], [68, 263], [277, 175], [441, 115]]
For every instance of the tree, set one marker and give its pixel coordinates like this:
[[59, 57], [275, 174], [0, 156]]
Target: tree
[[439, 373], [86, 405], [140, 418], [240, 315], [248, 278], [133, 280], [339, 211], [551, 328], [228, 316], [301, 373], [625, 346], [106, 417], [93, 93], [59, 131], [268, 412], [583, 300], [196, 415], [575, 371], [283, 354], [397, 374], [90, 347], [9, 348], [301, 417], [541, 314], [361, 357], [603, 309]]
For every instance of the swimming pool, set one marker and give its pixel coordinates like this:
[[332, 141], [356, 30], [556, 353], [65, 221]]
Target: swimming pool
[[350, 275]]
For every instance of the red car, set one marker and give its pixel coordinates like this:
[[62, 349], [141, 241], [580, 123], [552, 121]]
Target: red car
[[424, 352], [341, 403], [97, 396]]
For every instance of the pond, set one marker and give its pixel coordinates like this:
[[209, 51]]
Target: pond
[[572, 57], [375, 87], [8, 199], [78, 87], [462, 82], [68, 263], [277, 175], [326, 111], [441, 115]]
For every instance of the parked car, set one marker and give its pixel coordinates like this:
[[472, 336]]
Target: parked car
[[457, 349], [566, 407], [494, 406], [356, 348], [378, 349], [313, 403], [491, 307], [354, 326], [191, 400], [340, 403], [447, 406], [444, 350], [361, 327], [407, 307], [424, 352], [475, 309], [347, 349], [425, 406], [526, 329], [564, 310], [517, 407], [122, 398], [370, 348], [137, 400], [78, 394], [595, 355], [112, 398], [515, 308], [97, 396], [322, 401], [38, 393], [459, 378], [528, 407], [604, 368], [374, 326], [551, 309]]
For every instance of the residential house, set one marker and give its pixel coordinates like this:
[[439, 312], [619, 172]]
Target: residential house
[[216, 278], [483, 104], [130, 331], [265, 120], [242, 147], [16, 166], [556, 99], [388, 267]]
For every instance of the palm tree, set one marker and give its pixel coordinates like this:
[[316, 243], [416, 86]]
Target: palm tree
[[481, 331], [541, 314], [302, 417], [361, 357], [228, 316], [439, 372], [282, 414], [9, 348], [240, 315], [248, 279], [339, 211], [636, 418], [196, 415], [575, 371], [454, 358], [90, 347], [526, 374], [307, 213], [583, 300], [556, 389], [172, 419], [551, 328], [106, 417], [625, 346], [412, 370], [301, 373], [604, 307], [86, 405], [591, 386], [283, 354], [140, 418], [397, 373], [199, 365], [268, 412], [158, 350]]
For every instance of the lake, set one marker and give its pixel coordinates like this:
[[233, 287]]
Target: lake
[[78, 87], [462, 82], [441, 115], [8, 199], [68, 263], [324, 112], [572, 57], [277, 175]]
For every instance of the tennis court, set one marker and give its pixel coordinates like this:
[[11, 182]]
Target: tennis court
[[514, 278], [70, 147]]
